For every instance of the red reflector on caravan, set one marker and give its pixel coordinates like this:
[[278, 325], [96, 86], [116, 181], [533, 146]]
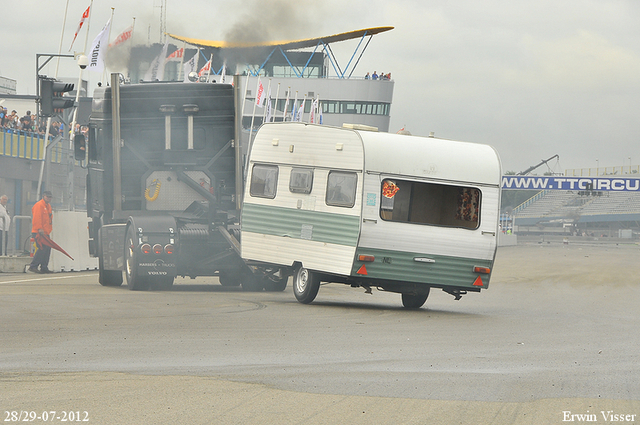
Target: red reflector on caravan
[[478, 282], [362, 270]]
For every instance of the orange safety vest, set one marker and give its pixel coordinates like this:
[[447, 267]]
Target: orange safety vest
[[41, 217]]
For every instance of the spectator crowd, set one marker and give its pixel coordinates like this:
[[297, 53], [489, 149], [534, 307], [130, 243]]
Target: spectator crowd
[[27, 123], [376, 76]]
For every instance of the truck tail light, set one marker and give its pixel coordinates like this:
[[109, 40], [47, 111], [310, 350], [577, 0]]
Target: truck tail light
[[485, 270], [157, 249], [145, 248], [169, 249]]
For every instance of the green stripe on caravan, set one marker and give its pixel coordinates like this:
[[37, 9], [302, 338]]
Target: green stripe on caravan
[[402, 266], [317, 226]]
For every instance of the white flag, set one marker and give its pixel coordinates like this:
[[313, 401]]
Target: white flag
[[98, 51], [320, 119], [286, 106], [156, 68], [268, 114], [301, 110], [190, 66], [85, 16], [224, 72], [294, 108], [259, 94], [124, 36], [205, 69], [312, 113]]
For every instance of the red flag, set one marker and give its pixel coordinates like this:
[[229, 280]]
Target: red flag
[[176, 55], [46, 240], [85, 16], [124, 36]]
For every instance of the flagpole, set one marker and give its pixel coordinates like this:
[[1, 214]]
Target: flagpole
[[181, 70], [133, 27], [244, 99], [64, 21], [286, 105], [48, 128], [104, 71], [276, 102], [210, 66], [253, 114], [264, 113]]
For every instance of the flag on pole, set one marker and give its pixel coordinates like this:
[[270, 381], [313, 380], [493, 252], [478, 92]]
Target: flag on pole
[[320, 119], [190, 66], [224, 72], [269, 112], [301, 110], [98, 50], [286, 106], [205, 69], [156, 68], [293, 108], [85, 16], [259, 94], [124, 36], [176, 56], [312, 113]]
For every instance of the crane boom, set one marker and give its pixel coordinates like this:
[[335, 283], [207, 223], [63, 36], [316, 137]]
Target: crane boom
[[533, 167]]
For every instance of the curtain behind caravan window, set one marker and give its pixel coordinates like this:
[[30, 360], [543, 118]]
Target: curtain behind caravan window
[[264, 180], [301, 180], [341, 189], [430, 203]]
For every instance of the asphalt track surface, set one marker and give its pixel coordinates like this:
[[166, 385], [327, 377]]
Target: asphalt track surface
[[555, 337]]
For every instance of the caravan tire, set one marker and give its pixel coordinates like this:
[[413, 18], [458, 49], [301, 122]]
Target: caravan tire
[[305, 285], [414, 300]]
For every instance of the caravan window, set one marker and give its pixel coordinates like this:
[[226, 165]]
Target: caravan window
[[264, 180], [430, 203], [341, 189], [301, 180]]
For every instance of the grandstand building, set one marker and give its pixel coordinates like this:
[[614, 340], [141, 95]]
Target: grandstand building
[[589, 213]]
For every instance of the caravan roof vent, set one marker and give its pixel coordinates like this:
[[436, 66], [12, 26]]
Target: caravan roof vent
[[361, 127]]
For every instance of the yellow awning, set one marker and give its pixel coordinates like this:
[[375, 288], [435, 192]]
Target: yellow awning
[[285, 45]]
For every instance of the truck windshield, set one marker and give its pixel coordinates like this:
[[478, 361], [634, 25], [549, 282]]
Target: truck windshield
[[430, 203]]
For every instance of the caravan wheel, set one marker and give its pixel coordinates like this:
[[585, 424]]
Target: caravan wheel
[[305, 285], [414, 300]]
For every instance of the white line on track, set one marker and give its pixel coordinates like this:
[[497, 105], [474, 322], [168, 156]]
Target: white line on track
[[50, 277]]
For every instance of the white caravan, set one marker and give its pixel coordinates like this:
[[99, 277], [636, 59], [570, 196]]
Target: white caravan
[[368, 209]]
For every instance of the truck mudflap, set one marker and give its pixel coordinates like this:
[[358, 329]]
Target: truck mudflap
[[150, 251]]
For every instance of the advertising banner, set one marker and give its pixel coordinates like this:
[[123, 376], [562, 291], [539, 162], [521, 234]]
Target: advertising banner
[[613, 184]]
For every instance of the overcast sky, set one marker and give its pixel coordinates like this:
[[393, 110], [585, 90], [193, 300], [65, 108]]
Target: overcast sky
[[531, 78]]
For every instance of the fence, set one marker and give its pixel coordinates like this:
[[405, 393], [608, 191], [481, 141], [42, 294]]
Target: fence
[[27, 145]]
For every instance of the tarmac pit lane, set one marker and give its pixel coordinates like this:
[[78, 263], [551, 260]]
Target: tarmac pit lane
[[555, 332]]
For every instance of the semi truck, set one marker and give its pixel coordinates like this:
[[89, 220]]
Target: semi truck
[[164, 185]]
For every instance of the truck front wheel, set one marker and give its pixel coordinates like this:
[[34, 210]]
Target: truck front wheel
[[134, 281], [305, 285]]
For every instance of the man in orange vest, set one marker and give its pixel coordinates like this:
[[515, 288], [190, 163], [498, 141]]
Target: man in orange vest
[[41, 223]]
